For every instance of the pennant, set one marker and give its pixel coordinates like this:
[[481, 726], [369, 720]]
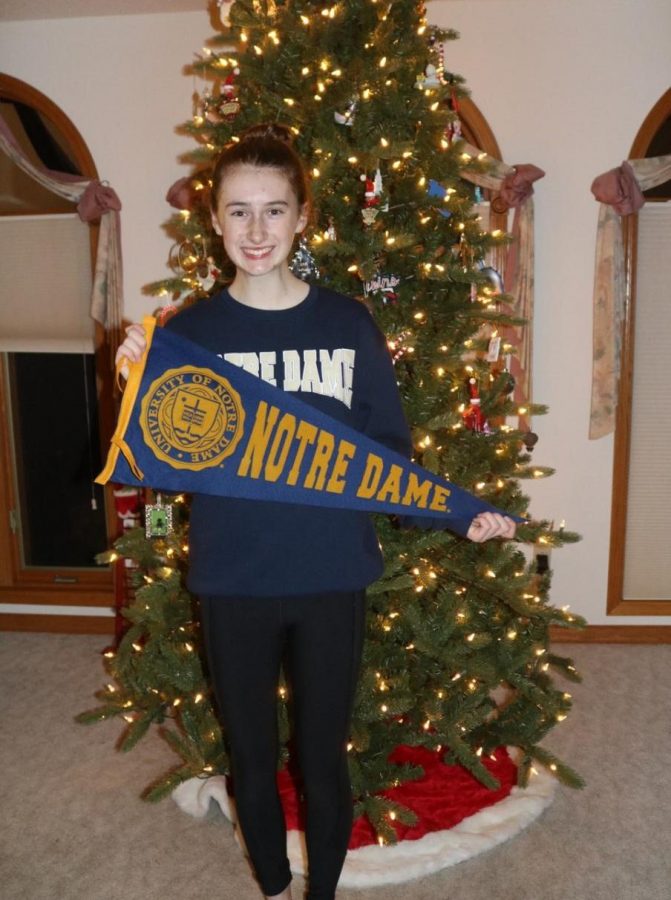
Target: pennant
[[192, 422]]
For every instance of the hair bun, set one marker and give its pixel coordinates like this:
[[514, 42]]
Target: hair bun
[[266, 145], [268, 131]]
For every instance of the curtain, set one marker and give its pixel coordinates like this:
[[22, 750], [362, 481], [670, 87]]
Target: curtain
[[620, 193], [95, 201], [515, 187]]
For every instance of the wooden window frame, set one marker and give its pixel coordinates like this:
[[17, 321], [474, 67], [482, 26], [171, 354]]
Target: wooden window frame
[[616, 604]]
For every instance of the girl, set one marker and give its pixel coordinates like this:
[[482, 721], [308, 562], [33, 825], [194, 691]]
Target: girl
[[286, 583]]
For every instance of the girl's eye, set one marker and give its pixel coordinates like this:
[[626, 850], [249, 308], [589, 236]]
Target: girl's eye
[[275, 211], [237, 213]]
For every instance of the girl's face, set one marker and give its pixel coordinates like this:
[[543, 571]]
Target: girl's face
[[257, 216]]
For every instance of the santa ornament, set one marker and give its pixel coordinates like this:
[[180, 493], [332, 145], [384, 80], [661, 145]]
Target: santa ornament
[[474, 418], [230, 104], [371, 197]]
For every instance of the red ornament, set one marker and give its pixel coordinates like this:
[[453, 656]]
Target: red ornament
[[474, 418], [181, 193], [128, 505], [370, 196]]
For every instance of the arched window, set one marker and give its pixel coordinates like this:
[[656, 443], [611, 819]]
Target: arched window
[[639, 581], [55, 385]]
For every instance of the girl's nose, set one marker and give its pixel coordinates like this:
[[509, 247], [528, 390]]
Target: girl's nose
[[257, 230]]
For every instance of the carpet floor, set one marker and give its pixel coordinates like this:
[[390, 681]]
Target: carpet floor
[[74, 827]]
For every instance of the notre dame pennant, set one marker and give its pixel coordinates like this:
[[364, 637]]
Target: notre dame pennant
[[192, 422]]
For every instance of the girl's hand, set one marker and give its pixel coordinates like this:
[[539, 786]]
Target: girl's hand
[[132, 348], [491, 525]]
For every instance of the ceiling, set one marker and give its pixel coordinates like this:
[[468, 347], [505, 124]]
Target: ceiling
[[19, 10]]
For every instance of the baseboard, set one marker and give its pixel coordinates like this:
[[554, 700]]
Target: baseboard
[[57, 624], [593, 634], [613, 634]]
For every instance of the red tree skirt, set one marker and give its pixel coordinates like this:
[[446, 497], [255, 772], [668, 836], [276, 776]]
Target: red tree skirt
[[458, 818], [441, 798]]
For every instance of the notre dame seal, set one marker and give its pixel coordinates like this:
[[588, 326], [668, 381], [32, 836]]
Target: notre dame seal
[[192, 418]]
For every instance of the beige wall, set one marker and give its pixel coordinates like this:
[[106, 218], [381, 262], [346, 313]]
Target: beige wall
[[120, 79], [564, 84]]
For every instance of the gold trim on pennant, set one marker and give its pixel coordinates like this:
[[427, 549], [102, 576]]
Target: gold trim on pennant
[[118, 444]]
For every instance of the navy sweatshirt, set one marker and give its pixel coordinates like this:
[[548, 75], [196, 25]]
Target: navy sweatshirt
[[328, 350]]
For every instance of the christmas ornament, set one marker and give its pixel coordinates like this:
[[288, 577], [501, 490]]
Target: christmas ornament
[[441, 61], [303, 264], [434, 76], [509, 383], [377, 182], [530, 439], [474, 418], [189, 258], [166, 312], [372, 191], [128, 506], [230, 104], [222, 106], [223, 11], [207, 274], [158, 518], [347, 118], [181, 193], [209, 108], [465, 252], [186, 256], [330, 233], [385, 285], [494, 348], [493, 276], [431, 78], [397, 346], [453, 130], [369, 215], [435, 189]]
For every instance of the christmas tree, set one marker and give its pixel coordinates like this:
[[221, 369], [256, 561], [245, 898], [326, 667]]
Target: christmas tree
[[457, 657]]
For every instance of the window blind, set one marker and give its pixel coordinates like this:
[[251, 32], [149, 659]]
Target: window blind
[[45, 284], [647, 558]]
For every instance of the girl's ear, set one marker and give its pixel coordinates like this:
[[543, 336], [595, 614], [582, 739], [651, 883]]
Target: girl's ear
[[303, 217], [215, 222]]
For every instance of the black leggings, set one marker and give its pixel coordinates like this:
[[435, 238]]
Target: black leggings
[[320, 640]]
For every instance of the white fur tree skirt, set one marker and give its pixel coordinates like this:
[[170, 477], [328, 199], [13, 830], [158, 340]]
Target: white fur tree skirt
[[395, 863]]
